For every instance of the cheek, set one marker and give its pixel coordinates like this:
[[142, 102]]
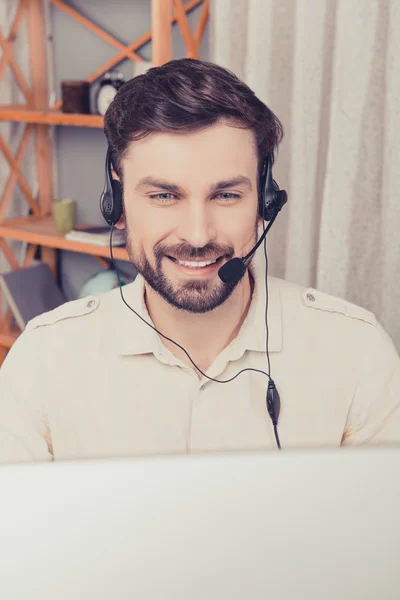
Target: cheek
[[146, 230], [240, 226]]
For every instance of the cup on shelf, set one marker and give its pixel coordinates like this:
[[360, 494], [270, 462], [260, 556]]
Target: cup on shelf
[[64, 214]]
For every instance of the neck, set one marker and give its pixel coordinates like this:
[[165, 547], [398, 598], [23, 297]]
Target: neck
[[203, 336]]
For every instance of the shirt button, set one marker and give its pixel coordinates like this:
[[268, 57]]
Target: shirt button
[[311, 297], [90, 303]]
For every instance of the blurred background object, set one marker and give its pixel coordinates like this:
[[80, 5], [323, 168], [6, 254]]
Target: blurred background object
[[64, 212], [102, 282], [75, 97], [108, 87]]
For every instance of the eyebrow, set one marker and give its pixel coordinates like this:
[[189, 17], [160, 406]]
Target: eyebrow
[[176, 189]]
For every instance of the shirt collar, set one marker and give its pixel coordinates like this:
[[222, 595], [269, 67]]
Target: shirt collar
[[135, 337]]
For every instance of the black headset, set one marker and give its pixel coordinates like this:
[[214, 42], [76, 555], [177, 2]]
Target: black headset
[[270, 201], [111, 205], [270, 197]]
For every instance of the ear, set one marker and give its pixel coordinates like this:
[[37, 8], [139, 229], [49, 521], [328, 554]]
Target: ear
[[259, 221], [114, 175], [121, 223]]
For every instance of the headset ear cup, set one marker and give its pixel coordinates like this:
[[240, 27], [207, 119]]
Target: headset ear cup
[[117, 208], [268, 192], [261, 199], [271, 201], [261, 190]]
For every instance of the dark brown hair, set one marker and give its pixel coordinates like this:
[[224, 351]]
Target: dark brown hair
[[187, 95]]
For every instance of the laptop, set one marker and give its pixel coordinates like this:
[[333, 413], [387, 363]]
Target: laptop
[[312, 525]]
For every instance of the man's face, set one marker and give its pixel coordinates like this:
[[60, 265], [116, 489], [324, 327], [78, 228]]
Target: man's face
[[190, 200]]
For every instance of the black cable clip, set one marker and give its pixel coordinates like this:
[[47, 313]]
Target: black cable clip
[[273, 402]]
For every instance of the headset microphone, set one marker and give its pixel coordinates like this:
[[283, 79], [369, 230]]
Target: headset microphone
[[234, 269]]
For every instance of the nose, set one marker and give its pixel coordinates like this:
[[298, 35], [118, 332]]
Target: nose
[[196, 225]]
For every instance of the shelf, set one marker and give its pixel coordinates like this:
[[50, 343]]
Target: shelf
[[7, 339], [42, 232], [49, 117]]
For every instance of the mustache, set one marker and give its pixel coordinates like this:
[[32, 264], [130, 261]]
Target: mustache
[[183, 251]]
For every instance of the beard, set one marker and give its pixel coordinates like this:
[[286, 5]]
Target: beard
[[192, 295]]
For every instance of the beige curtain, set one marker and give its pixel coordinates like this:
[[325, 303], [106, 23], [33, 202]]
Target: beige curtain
[[330, 70]]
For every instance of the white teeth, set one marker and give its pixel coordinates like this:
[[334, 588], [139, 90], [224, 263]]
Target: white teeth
[[196, 264]]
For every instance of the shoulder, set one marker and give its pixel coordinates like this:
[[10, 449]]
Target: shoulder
[[76, 317], [44, 335], [317, 300], [76, 309], [72, 329], [314, 301]]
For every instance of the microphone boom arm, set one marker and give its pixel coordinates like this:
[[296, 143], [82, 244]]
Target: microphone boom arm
[[261, 238]]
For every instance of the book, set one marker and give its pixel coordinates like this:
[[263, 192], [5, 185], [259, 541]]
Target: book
[[97, 235], [30, 292]]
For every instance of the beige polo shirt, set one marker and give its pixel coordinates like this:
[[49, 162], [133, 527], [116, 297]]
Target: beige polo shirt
[[90, 379]]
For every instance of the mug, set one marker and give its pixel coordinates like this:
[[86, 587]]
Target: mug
[[64, 215]]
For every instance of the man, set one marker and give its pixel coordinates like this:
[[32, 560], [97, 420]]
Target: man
[[91, 379]]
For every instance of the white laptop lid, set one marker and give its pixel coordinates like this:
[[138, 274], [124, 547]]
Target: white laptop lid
[[317, 525]]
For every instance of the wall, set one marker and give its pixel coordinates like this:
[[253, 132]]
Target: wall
[[80, 152]]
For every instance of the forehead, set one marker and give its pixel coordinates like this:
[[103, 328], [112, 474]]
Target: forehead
[[220, 150]]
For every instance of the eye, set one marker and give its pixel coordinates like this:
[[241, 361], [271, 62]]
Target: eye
[[228, 196], [163, 197]]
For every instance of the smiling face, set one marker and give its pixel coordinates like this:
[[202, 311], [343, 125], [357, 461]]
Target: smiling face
[[190, 205]]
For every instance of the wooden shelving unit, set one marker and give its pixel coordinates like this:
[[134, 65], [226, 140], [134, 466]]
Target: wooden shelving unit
[[38, 230], [36, 117], [41, 231]]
